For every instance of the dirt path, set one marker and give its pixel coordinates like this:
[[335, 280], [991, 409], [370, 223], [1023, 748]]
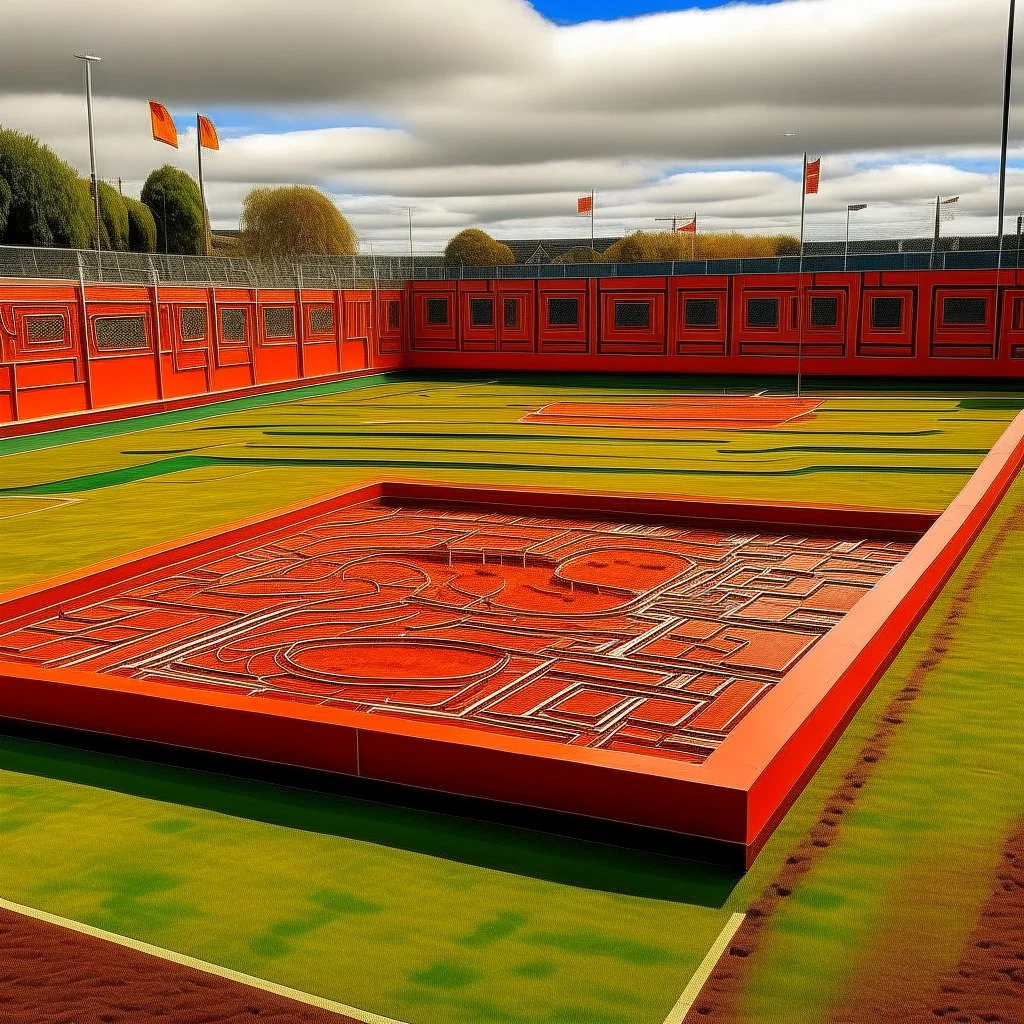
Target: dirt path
[[720, 999], [52, 975]]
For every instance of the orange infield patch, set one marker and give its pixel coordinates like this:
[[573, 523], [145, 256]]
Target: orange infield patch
[[730, 412]]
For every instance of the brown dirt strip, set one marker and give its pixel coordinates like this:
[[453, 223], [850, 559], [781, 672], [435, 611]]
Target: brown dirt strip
[[719, 1000], [52, 975], [987, 984]]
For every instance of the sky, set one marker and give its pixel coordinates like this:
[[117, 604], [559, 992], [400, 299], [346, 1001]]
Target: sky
[[499, 113]]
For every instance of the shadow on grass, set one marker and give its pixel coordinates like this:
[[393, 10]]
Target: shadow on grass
[[403, 819]]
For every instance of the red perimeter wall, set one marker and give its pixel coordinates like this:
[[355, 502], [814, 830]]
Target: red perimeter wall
[[61, 355]]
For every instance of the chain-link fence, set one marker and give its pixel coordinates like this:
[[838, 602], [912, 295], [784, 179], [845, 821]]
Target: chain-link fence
[[382, 271], [140, 268]]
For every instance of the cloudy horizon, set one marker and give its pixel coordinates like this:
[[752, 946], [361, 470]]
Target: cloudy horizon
[[487, 113]]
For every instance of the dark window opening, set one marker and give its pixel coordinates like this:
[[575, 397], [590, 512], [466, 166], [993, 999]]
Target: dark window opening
[[886, 314], [394, 314], [824, 311], [564, 312], [633, 315], [481, 312], [511, 313], [232, 324], [961, 311], [193, 323], [437, 312], [702, 312], [321, 320], [45, 328], [116, 333], [279, 321], [762, 312]]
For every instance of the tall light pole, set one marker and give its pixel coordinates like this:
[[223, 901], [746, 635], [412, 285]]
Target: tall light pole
[[800, 272], [851, 208], [1007, 81], [409, 208], [89, 59]]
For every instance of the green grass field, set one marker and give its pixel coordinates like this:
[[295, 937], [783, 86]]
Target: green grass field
[[435, 920]]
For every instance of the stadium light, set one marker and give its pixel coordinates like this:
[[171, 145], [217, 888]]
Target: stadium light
[[851, 208], [89, 59]]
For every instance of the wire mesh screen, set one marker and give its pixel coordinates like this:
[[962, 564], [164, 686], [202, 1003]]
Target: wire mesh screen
[[886, 313], [120, 333], [394, 315], [824, 311], [232, 324], [481, 312], [193, 323], [279, 321], [701, 312], [964, 311], [321, 320], [437, 312], [42, 329], [633, 315], [564, 312], [511, 313], [762, 312]]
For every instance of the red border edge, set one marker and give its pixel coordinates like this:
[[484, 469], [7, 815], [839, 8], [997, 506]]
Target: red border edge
[[736, 798]]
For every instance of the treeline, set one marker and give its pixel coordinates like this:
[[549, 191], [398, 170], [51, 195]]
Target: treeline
[[474, 247], [44, 202]]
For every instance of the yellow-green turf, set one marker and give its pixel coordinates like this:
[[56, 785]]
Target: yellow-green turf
[[435, 920]]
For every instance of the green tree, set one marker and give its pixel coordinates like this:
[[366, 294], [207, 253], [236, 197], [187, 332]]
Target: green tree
[[5, 205], [579, 254], [294, 220], [113, 218], [48, 204], [141, 226], [177, 207], [475, 248]]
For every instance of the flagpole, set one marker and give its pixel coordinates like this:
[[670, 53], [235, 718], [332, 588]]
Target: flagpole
[[202, 188], [800, 283], [693, 236], [592, 194]]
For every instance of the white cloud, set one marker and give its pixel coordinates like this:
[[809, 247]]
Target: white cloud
[[499, 118]]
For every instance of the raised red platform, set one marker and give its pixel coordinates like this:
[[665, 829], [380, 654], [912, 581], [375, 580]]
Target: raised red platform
[[668, 663]]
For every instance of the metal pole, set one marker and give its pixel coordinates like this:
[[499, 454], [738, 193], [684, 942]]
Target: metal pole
[[1007, 80], [202, 190], [800, 284], [592, 194], [410, 234], [89, 59], [846, 251], [935, 234]]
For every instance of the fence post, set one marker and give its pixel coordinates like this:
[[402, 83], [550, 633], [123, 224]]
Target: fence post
[[86, 369]]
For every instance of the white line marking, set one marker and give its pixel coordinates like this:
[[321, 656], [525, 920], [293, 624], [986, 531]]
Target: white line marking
[[201, 965], [707, 965]]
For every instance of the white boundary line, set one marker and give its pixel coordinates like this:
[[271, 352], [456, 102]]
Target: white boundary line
[[707, 965], [200, 965]]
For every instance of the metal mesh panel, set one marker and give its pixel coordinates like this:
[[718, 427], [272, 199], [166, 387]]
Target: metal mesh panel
[[437, 312], [762, 312], [481, 312], [511, 313], [961, 311], [886, 313], [193, 323], [232, 324], [279, 321], [45, 328], [632, 315], [702, 312], [117, 333], [394, 315], [564, 312], [824, 311], [321, 320]]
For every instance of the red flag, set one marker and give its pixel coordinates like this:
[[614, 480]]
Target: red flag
[[691, 228], [163, 124], [813, 177], [207, 133], [585, 204]]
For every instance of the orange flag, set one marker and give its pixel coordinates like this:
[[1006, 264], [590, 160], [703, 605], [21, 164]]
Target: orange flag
[[690, 227], [207, 134], [813, 177], [163, 124], [585, 204]]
